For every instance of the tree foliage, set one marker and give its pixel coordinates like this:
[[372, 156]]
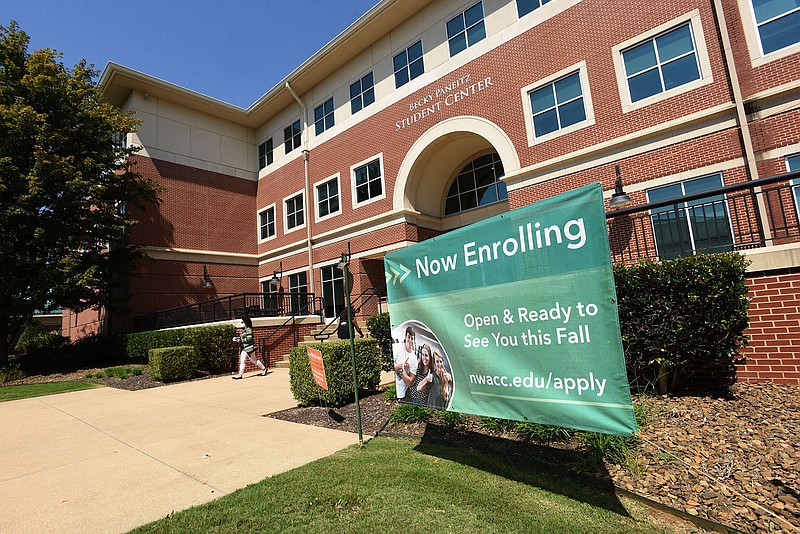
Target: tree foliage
[[65, 184]]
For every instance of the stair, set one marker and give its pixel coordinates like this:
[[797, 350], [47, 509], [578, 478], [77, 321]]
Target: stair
[[310, 340]]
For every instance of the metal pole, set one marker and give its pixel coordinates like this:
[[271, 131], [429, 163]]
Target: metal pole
[[352, 348]]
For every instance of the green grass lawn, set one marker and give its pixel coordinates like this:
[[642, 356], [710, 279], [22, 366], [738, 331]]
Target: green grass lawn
[[9, 393], [405, 487]]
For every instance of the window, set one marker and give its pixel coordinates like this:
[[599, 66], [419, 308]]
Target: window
[[408, 64], [466, 29], [291, 136], [298, 298], [778, 23], [266, 223], [294, 212], [265, 154], [557, 105], [793, 163], [271, 297], [478, 184], [368, 180], [662, 63], [698, 226], [323, 116], [526, 6], [362, 93], [327, 197], [332, 290]]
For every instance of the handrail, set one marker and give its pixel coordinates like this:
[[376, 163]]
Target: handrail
[[370, 292]]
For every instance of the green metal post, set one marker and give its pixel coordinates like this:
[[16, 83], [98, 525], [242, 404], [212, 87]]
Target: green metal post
[[352, 348]]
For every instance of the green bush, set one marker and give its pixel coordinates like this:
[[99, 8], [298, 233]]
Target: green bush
[[542, 433], [36, 337], [410, 413], [173, 363], [338, 372], [681, 317], [216, 351], [381, 329], [497, 424], [452, 420]]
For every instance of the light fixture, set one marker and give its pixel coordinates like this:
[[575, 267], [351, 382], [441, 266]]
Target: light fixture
[[207, 282], [619, 198], [344, 261], [275, 281]]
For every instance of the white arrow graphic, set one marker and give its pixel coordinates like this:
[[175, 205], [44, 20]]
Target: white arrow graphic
[[396, 276]]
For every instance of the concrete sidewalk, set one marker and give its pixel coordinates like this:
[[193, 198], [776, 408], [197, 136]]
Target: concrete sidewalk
[[109, 460]]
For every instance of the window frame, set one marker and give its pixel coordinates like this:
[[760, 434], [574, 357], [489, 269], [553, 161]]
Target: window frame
[[269, 156], [270, 207], [753, 38], [541, 3], [335, 178], [685, 213], [795, 184], [454, 179], [294, 287], [362, 91], [296, 138], [302, 195], [336, 306], [700, 50], [588, 108], [466, 29], [321, 124], [353, 186], [407, 66]]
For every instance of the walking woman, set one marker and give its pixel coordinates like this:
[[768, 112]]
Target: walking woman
[[248, 343]]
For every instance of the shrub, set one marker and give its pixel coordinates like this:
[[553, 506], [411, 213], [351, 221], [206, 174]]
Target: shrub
[[410, 413], [173, 363], [452, 420], [215, 349], [616, 449], [338, 372], [381, 329], [681, 317], [36, 337], [497, 424], [391, 393]]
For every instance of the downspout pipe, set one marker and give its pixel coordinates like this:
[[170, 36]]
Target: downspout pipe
[[741, 114], [307, 199]]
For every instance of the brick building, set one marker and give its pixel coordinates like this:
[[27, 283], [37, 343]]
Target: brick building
[[427, 115]]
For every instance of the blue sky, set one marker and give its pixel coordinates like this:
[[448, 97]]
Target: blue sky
[[234, 50]]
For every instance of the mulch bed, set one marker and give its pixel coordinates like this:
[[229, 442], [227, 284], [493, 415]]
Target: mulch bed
[[733, 458]]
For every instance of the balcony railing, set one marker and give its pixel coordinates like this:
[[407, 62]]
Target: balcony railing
[[741, 216], [232, 307]]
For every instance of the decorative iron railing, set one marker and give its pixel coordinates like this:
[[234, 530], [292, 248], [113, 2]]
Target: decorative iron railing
[[741, 216]]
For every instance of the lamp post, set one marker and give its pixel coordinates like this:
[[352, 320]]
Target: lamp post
[[345, 266]]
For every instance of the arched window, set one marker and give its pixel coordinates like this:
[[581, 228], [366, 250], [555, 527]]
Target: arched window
[[478, 184]]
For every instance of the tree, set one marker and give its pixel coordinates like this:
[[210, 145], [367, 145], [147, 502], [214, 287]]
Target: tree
[[65, 184]]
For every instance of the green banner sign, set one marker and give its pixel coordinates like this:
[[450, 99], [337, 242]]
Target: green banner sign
[[514, 317]]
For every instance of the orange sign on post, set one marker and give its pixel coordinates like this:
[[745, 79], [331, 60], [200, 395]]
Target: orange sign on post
[[317, 367]]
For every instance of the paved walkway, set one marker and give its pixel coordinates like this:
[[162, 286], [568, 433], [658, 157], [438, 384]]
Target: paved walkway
[[109, 460]]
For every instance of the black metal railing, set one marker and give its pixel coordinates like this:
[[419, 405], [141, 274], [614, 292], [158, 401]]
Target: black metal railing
[[361, 307], [741, 216], [232, 307]]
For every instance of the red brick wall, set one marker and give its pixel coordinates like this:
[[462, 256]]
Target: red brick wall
[[774, 352], [277, 346]]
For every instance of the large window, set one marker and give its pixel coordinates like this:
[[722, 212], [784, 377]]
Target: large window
[[323, 116], [466, 29], [291, 136], [298, 300], [362, 93], [332, 290], [265, 154], [368, 181], [327, 198], [408, 64], [661, 63], [526, 6], [793, 163], [266, 223], [557, 105], [778, 23], [478, 184], [294, 212], [697, 226]]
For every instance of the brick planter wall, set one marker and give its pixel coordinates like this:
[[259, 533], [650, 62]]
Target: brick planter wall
[[774, 352], [279, 344]]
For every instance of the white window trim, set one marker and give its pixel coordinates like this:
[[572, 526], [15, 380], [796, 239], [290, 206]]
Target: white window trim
[[258, 223], [693, 17], [317, 217], [286, 229], [753, 39], [587, 102], [456, 14], [353, 168]]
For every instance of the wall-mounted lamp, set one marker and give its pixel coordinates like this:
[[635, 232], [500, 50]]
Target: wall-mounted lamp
[[275, 281], [207, 282], [344, 261], [619, 198]]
